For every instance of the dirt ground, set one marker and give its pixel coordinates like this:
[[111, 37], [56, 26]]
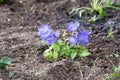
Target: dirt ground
[[19, 20]]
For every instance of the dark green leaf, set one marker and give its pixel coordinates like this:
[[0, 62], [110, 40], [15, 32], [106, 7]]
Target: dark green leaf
[[101, 12], [4, 61]]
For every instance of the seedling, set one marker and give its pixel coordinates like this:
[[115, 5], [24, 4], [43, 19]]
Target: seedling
[[116, 68], [116, 73], [117, 54], [96, 6], [110, 32], [4, 61]]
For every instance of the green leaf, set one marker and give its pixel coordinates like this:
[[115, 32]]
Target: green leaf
[[73, 55], [4, 61], [46, 53], [84, 53], [56, 47], [81, 12], [109, 2], [101, 12], [116, 68], [111, 32], [49, 55], [73, 10], [114, 74], [2, 65], [55, 55], [93, 19], [117, 54], [60, 42]]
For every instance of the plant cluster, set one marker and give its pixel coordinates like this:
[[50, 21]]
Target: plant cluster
[[96, 6], [110, 32], [71, 43]]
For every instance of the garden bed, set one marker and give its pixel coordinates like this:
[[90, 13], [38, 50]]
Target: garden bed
[[19, 21]]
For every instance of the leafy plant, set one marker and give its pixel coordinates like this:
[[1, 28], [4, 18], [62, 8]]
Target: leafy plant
[[116, 73], [116, 54], [4, 61], [116, 68], [97, 6], [71, 47], [111, 32]]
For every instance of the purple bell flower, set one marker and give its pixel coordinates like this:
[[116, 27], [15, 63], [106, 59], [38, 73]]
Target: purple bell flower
[[72, 26], [51, 39], [72, 40], [83, 37], [44, 31], [57, 33]]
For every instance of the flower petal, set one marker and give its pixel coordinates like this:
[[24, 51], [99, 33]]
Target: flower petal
[[72, 26], [57, 33], [72, 40], [51, 39]]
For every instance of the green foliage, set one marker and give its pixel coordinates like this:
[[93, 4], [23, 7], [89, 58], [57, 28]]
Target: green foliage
[[97, 6], [4, 61], [62, 48], [116, 54], [116, 73], [116, 68], [92, 19], [1, 1], [10, 74], [110, 32]]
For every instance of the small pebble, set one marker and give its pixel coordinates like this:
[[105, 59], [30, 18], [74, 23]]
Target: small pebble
[[9, 20]]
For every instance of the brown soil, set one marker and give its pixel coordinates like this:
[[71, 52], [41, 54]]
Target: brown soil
[[19, 20]]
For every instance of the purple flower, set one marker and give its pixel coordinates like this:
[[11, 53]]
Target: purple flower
[[51, 39], [86, 32], [72, 26], [72, 40], [83, 37], [44, 31], [57, 33]]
